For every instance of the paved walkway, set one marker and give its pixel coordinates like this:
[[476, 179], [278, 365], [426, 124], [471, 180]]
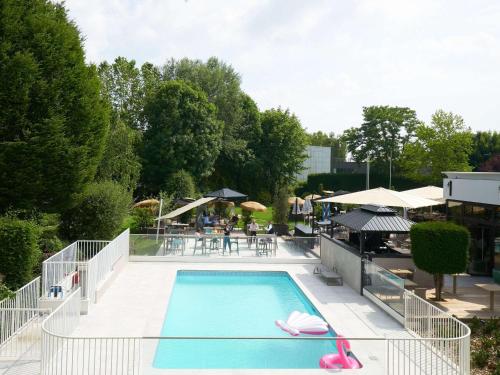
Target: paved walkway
[[469, 301]]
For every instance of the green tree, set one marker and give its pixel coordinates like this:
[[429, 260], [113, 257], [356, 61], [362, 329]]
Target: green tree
[[339, 148], [236, 110], [19, 251], [382, 134], [180, 184], [439, 248], [121, 162], [484, 146], [182, 133], [53, 121], [98, 214], [444, 145], [123, 86], [281, 150]]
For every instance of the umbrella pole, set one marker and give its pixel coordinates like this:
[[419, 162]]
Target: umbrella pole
[[295, 214], [158, 225]]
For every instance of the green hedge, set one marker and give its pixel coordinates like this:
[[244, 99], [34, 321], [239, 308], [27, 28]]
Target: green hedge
[[99, 213], [19, 252], [353, 182], [440, 247]]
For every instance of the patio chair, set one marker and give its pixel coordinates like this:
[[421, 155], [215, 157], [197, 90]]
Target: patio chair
[[214, 244], [200, 244], [234, 241]]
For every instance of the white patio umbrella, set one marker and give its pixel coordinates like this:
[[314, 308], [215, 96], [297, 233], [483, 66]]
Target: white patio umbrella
[[307, 207], [296, 209], [428, 192], [382, 197]]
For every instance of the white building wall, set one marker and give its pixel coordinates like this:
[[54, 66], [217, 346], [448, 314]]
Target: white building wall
[[318, 161], [472, 187]]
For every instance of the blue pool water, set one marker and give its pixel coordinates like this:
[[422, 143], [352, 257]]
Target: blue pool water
[[236, 304]]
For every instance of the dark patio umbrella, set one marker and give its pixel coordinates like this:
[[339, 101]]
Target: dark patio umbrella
[[226, 193]]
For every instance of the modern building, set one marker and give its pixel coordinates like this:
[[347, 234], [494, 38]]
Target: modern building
[[321, 159], [473, 200]]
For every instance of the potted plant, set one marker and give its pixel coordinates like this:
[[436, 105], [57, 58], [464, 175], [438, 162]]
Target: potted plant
[[280, 211]]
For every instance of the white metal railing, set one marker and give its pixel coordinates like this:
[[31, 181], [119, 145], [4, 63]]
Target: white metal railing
[[64, 268], [446, 336], [20, 319], [102, 264], [66, 355], [84, 263]]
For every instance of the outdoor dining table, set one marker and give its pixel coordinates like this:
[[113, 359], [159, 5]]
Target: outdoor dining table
[[491, 288]]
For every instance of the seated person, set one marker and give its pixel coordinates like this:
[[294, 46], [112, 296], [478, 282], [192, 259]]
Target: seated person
[[269, 228]]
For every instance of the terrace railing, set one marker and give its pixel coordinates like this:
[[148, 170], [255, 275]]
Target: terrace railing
[[83, 263], [204, 244], [20, 319], [66, 355]]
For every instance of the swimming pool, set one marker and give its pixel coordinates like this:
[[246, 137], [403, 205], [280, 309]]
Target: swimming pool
[[236, 304]]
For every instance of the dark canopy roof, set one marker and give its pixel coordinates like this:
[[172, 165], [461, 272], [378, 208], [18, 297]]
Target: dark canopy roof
[[373, 218], [226, 193]]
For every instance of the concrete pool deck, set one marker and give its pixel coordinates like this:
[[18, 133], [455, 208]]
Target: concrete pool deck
[[136, 302]]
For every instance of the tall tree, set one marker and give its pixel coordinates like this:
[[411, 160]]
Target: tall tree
[[381, 135], [182, 133], [444, 145], [281, 149], [236, 110], [339, 148], [53, 120], [124, 88], [485, 145], [121, 162]]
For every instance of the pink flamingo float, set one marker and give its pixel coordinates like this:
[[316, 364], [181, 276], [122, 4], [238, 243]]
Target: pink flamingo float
[[340, 359]]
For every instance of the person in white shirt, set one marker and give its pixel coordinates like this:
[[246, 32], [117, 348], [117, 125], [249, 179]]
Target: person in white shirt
[[269, 228], [253, 228]]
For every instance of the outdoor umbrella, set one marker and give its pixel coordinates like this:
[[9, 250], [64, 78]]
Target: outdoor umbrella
[[253, 206], [382, 197], [293, 200], [428, 192], [147, 203], [307, 207], [296, 209], [226, 193], [312, 197]]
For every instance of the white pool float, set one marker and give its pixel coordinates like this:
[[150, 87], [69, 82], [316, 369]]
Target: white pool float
[[298, 323]]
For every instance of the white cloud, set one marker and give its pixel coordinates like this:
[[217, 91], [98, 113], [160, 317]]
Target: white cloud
[[323, 59]]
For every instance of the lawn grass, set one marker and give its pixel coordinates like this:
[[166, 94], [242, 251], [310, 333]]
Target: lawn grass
[[262, 218]]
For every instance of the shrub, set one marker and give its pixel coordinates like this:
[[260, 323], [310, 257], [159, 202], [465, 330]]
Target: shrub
[[49, 242], [280, 206], [439, 248], [180, 185], [5, 292], [19, 251], [480, 358], [142, 218], [98, 214]]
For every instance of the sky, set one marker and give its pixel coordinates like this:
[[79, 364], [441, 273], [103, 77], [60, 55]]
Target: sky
[[323, 59]]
